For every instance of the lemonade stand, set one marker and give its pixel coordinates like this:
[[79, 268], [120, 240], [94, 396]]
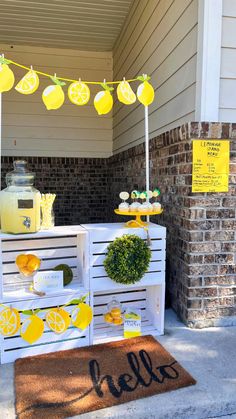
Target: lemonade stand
[[71, 313]]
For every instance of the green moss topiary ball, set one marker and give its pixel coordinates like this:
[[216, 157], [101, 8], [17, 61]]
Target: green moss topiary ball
[[127, 259]]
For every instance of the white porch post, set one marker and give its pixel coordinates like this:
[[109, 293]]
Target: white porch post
[[208, 60]]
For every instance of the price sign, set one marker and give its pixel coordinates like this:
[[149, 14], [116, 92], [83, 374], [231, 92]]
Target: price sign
[[210, 166], [48, 281]]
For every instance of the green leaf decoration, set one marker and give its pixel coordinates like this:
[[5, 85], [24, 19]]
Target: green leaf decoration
[[144, 77], [57, 81], [106, 87], [30, 312], [4, 61]]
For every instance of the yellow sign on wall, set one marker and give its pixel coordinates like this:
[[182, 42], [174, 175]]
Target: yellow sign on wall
[[210, 166]]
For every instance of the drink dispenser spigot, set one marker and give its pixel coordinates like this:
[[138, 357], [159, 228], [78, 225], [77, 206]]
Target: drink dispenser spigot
[[20, 201]]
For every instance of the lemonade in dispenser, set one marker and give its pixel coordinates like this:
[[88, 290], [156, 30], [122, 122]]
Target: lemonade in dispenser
[[20, 201]]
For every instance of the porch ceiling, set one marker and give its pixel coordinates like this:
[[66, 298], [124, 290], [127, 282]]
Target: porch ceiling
[[77, 24]]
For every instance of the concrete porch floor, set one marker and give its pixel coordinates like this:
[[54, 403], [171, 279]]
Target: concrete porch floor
[[208, 354]]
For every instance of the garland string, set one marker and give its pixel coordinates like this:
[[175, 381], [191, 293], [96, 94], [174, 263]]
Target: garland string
[[69, 80]]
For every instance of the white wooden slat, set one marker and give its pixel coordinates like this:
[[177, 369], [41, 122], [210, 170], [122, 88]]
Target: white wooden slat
[[107, 232], [99, 271], [101, 248], [228, 32], [44, 253], [29, 244], [120, 296], [47, 337], [135, 304], [15, 277], [98, 260], [45, 264], [11, 356], [23, 295], [103, 284], [228, 115]]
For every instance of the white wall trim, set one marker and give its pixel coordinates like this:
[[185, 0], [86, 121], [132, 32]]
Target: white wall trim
[[209, 60]]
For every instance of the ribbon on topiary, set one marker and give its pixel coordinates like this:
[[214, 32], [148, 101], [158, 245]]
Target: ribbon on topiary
[[127, 259]]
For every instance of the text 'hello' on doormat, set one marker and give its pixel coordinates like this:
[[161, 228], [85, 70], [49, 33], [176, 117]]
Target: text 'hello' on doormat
[[76, 381]]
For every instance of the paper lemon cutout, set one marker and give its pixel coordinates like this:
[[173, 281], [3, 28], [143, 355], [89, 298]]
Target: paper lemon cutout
[[28, 84], [145, 92], [81, 316], [53, 96], [32, 329], [79, 93], [125, 93], [9, 321], [58, 320], [7, 78], [103, 100]]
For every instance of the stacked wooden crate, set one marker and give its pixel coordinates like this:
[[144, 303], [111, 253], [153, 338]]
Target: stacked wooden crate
[[84, 249]]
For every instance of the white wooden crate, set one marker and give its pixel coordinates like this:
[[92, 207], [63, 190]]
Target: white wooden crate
[[60, 245], [150, 300], [101, 235], [15, 347]]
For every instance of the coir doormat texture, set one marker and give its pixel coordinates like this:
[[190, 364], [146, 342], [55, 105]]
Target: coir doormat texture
[[68, 383]]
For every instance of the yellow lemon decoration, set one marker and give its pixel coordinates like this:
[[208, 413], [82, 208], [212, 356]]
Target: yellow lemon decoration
[[125, 93], [79, 93], [9, 321], [7, 77], [145, 92], [103, 100], [58, 320], [32, 329], [28, 84], [53, 96], [81, 316]]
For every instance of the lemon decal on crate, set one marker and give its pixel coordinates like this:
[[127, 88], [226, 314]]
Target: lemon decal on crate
[[79, 93], [53, 96], [9, 321], [125, 93], [81, 316], [103, 100], [7, 78], [145, 92], [32, 329], [58, 320], [28, 84]]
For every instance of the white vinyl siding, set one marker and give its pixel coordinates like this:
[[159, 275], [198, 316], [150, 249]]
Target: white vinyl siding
[[160, 39], [227, 111], [28, 129]]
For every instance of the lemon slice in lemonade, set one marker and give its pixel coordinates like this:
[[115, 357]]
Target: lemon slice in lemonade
[[79, 93], [9, 321], [125, 93], [28, 84], [58, 320]]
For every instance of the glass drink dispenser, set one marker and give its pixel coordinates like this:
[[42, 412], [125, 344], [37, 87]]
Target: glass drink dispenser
[[20, 201]]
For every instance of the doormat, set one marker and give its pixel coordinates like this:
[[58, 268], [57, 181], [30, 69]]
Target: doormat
[[76, 381]]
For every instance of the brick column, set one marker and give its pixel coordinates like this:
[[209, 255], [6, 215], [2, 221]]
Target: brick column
[[201, 243]]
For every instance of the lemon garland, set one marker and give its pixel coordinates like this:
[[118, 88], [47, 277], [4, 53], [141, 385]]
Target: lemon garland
[[78, 92], [57, 319]]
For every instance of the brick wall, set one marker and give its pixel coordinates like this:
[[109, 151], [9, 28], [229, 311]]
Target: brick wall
[[80, 185], [201, 270], [201, 245]]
